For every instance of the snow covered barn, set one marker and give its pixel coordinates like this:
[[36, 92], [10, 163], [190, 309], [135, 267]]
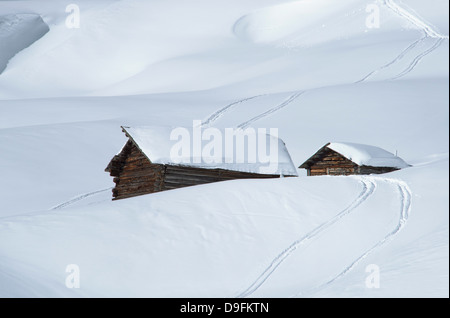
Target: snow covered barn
[[146, 163], [352, 159]]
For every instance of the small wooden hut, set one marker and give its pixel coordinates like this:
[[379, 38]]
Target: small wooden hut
[[352, 159], [144, 166]]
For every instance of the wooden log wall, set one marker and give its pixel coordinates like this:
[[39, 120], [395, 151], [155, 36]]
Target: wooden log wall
[[375, 170], [134, 173], [116, 164], [179, 176], [332, 163]]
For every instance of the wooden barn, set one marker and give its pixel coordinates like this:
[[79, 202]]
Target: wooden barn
[[352, 159], [144, 166]]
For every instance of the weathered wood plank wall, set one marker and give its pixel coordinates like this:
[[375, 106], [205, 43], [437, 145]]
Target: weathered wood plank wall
[[332, 163], [135, 175]]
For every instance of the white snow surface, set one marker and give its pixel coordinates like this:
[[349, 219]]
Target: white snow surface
[[18, 31], [367, 155], [314, 69], [259, 152]]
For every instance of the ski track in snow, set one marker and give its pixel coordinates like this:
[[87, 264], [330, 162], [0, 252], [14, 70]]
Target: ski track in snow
[[406, 202], [369, 186], [428, 29], [368, 189], [429, 32], [418, 22], [78, 198], [285, 103], [216, 115], [418, 58], [398, 58]]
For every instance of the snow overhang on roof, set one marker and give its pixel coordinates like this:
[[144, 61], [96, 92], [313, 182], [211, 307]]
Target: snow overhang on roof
[[366, 155], [230, 149], [362, 155]]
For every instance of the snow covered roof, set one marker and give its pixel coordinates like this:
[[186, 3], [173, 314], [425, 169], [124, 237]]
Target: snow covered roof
[[260, 153], [364, 155]]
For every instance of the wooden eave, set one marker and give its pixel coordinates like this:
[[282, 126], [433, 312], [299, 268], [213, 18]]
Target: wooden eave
[[314, 158]]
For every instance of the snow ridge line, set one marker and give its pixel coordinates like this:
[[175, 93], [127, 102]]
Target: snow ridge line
[[418, 58], [216, 115], [406, 202], [428, 29], [398, 58], [285, 103], [368, 189], [79, 198]]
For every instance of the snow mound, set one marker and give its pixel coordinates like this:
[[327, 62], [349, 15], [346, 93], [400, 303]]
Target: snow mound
[[17, 32], [306, 22], [365, 155]]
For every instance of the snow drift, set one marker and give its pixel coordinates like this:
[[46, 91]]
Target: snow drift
[[366, 155], [17, 32]]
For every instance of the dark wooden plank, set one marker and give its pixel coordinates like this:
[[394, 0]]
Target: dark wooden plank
[[144, 172]]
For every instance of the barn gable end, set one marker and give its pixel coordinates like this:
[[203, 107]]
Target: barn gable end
[[328, 162], [134, 174]]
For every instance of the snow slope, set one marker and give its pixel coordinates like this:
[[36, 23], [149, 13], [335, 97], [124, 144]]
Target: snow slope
[[18, 31], [311, 68]]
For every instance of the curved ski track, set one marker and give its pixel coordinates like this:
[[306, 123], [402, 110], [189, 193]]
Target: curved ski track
[[418, 58], [427, 28], [216, 115], [368, 189], [78, 198], [406, 202], [398, 58], [288, 101]]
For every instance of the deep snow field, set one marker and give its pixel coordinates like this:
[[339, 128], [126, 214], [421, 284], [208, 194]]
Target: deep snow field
[[314, 69]]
